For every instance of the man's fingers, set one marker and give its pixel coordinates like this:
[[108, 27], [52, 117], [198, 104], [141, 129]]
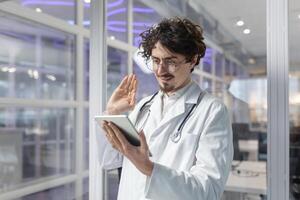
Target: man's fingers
[[130, 77], [144, 144], [120, 136], [124, 83], [112, 134], [135, 84], [131, 83]]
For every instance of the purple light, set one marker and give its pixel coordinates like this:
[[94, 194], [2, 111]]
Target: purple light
[[117, 11], [116, 3], [64, 3], [143, 10], [125, 23], [52, 3], [121, 30]]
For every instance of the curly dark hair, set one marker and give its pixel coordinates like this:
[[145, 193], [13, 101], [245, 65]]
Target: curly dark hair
[[178, 35]]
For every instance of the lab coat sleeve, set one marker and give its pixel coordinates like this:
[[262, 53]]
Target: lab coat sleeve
[[207, 177], [109, 158]]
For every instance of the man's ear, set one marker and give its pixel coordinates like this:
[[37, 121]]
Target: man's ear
[[193, 62]]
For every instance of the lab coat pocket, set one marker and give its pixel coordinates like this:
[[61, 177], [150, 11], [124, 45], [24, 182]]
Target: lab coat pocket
[[183, 150]]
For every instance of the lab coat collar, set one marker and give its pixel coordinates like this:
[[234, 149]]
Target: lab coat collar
[[190, 96]]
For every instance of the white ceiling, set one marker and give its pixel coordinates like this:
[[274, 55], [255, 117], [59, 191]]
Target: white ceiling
[[253, 13]]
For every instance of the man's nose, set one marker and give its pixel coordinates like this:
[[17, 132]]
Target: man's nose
[[162, 67]]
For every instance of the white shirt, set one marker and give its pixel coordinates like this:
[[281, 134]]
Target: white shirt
[[196, 167]]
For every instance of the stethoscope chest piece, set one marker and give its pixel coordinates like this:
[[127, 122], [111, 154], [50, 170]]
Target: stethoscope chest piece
[[176, 136]]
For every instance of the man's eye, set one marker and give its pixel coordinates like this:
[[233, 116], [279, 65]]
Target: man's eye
[[170, 62], [156, 61]]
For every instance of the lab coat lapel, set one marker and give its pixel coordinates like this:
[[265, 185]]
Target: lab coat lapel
[[180, 107]]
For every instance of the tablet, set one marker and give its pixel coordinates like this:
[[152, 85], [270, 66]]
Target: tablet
[[124, 124]]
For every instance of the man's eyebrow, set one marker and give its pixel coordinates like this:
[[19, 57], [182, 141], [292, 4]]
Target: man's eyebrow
[[166, 58]]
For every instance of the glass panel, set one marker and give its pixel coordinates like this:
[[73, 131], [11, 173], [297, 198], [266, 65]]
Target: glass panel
[[207, 60], [113, 183], [196, 78], [86, 69], [87, 13], [117, 68], [85, 183], [63, 9], [219, 89], [228, 72], [294, 97], [32, 146], [219, 64], [143, 17], [66, 192], [37, 61], [245, 97], [207, 84], [117, 20], [86, 139]]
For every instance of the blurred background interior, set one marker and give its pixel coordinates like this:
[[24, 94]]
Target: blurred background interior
[[44, 88]]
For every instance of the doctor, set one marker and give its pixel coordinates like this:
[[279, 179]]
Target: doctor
[[186, 138]]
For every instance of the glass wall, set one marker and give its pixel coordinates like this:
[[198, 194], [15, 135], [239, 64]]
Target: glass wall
[[294, 97], [43, 141], [64, 9]]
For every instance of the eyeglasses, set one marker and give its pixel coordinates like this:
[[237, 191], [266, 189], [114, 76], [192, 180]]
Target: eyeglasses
[[171, 65]]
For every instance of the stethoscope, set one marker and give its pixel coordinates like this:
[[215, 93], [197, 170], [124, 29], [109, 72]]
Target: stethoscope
[[176, 136]]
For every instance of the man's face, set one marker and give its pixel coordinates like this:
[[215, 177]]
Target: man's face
[[170, 78]]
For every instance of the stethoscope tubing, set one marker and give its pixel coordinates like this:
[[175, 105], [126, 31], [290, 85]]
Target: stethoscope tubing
[[175, 137]]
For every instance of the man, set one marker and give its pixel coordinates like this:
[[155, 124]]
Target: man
[[185, 133]]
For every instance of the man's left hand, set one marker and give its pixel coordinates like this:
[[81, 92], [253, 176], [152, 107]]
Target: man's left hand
[[138, 155]]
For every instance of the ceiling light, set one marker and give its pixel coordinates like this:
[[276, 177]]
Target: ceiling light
[[30, 73], [240, 23], [299, 16], [246, 31], [251, 61], [87, 1], [38, 10], [12, 70], [4, 69], [112, 37], [51, 77], [35, 74]]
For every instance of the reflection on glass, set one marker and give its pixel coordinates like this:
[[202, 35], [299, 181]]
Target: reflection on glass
[[86, 139], [64, 10], [144, 16], [219, 65], [294, 98], [85, 195], [38, 62], [113, 184], [31, 146], [207, 60], [65, 192], [117, 20], [207, 84], [116, 68], [219, 89], [196, 78], [227, 68], [86, 69]]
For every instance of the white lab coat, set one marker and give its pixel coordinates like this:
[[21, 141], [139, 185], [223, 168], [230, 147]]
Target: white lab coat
[[196, 167]]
